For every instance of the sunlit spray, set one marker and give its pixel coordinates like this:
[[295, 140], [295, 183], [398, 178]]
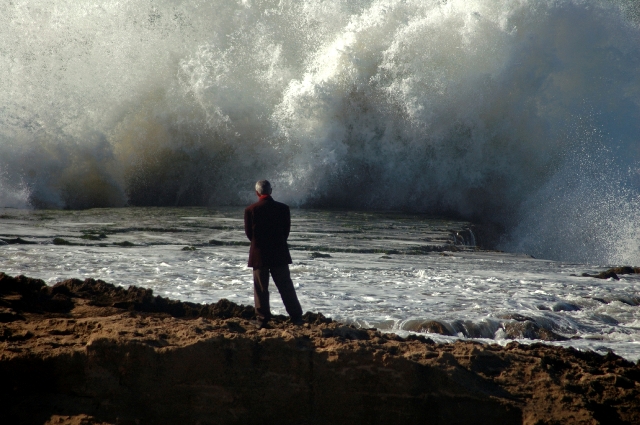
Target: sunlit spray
[[525, 114]]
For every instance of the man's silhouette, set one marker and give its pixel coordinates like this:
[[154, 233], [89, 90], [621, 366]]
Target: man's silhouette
[[267, 224]]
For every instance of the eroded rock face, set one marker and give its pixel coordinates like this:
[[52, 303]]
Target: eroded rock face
[[123, 356]]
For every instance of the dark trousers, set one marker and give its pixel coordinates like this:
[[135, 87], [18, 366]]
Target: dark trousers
[[282, 279]]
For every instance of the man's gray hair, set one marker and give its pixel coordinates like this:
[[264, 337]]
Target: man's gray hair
[[263, 187]]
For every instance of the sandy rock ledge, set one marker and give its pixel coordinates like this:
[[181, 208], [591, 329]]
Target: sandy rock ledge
[[92, 353]]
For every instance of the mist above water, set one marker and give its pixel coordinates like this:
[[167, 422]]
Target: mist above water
[[525, 114]]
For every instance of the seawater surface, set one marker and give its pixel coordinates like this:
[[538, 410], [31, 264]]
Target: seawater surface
[[397, 272]]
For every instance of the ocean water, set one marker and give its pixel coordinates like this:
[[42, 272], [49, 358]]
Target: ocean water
[[522, 117]]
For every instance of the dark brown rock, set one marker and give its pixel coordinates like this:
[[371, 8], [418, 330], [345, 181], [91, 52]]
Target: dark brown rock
[[613, 273], [530, 330], [110, 361], [429, 326], [17, 241]]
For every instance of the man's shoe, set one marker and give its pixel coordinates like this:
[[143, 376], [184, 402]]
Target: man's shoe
[[262, 325], [297, 321]]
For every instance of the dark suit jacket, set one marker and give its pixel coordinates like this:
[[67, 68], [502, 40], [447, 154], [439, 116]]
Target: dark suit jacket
[[267, 224]]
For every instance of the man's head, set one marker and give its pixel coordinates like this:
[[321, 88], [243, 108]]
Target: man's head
[[263, 187]]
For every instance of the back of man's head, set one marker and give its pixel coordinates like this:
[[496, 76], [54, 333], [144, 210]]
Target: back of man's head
[[263, 187]]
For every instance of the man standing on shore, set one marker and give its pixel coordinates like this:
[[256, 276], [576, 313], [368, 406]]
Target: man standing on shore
[[267, 224]]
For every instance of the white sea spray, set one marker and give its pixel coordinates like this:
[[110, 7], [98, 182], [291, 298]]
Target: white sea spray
[[525, 114]]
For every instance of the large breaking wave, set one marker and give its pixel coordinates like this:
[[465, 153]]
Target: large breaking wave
[[524, 114]]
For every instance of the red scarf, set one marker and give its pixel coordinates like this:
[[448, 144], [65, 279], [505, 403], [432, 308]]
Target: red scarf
[[264, 196]]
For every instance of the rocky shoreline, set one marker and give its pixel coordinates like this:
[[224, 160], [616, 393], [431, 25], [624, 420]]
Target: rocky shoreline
[[87, 352]]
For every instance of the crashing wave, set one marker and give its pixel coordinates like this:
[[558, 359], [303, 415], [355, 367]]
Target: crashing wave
[[520, 114]]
